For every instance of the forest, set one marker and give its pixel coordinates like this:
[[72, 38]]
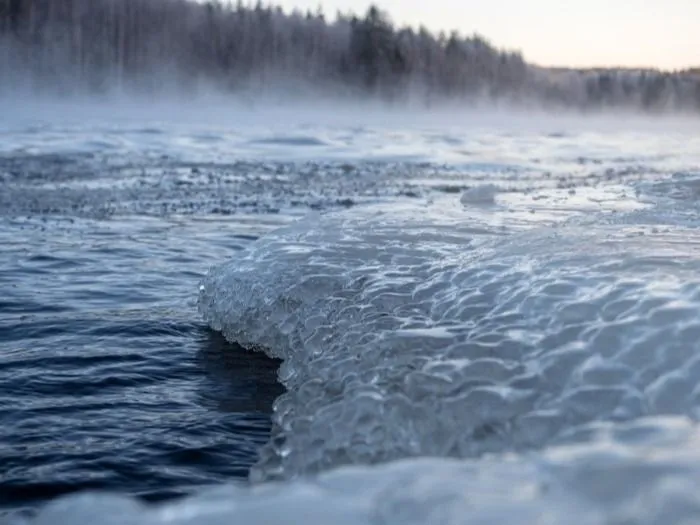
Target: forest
[[74, 47]]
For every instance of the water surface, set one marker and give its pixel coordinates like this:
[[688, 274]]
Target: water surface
[[507, 310]]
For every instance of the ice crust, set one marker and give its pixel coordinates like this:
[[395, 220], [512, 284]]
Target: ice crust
[[416, 331], [444, 369]]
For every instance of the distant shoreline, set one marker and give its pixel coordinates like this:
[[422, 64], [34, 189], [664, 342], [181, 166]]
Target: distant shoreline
[[158, 47]]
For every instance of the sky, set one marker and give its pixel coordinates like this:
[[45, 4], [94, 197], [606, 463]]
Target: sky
[[577, 33]]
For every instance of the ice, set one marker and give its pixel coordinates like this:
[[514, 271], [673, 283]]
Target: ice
[[482, 194], [444, 361], [644, 472], [417, 331]]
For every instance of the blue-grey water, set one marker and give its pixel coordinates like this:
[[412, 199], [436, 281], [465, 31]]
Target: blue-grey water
[[483, 320], [108, 378]]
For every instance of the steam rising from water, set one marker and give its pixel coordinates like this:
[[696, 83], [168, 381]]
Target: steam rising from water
[[181, 46], [220, 114]]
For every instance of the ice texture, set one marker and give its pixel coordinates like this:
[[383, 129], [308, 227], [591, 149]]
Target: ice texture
[[512, 346], [417, 331], [443, 367]]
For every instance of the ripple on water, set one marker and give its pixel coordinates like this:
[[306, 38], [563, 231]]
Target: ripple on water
[[107, 380]]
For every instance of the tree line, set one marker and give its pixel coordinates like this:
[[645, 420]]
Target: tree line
[[154, 46]]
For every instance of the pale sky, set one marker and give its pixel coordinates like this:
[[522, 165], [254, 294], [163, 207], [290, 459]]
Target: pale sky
[[657, 33]]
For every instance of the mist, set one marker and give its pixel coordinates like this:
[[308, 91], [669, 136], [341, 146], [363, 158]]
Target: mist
[[255, 56]]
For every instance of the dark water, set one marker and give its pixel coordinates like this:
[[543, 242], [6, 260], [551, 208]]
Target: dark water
[[108, 378]]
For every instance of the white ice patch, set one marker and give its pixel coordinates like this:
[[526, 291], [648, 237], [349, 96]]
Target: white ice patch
[[414, 331], [482, 194]]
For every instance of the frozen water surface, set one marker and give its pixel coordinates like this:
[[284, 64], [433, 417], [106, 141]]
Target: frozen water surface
[[476, 324]]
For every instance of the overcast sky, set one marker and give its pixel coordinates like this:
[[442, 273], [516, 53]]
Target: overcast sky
[[660, 33]]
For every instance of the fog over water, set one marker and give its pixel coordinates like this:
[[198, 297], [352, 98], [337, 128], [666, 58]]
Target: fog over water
[[158, 47]]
